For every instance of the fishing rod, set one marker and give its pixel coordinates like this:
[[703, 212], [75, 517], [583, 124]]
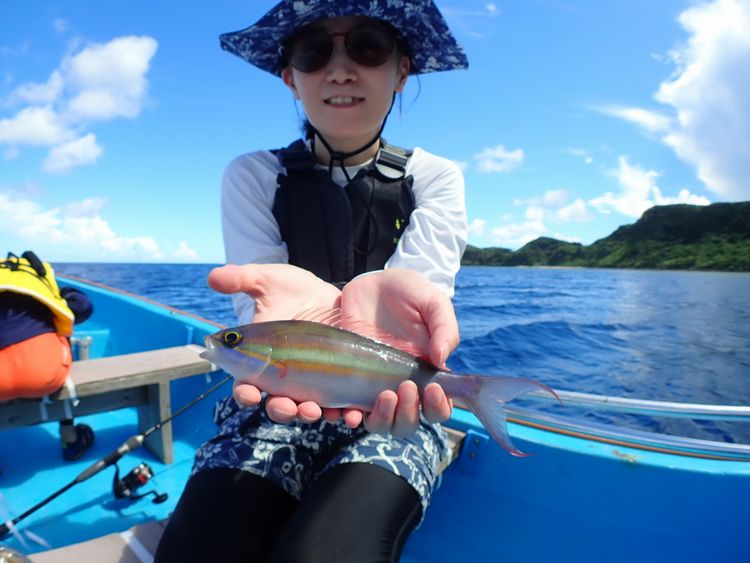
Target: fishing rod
[[132, 443]]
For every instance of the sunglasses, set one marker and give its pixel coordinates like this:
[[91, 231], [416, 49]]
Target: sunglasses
[[367, 44]]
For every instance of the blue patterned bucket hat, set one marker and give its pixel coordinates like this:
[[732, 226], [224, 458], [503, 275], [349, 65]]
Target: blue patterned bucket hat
[[433, 47]]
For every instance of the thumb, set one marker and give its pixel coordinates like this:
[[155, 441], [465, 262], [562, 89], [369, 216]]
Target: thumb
[[443, 326], [236, 279]]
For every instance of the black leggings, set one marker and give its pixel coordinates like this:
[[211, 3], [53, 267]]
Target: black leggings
[[353, 512]]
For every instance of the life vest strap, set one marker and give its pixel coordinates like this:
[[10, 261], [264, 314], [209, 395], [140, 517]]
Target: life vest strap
[[338, 233], [392, 160]]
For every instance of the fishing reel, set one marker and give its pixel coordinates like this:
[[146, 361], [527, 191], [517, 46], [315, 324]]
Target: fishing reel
[[137, 478]]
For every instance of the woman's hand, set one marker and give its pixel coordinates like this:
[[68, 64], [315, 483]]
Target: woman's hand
[[280, 291], [401, 302], [405, 304]]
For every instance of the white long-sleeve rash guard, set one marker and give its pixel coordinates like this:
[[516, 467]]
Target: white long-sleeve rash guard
[[432, 243]]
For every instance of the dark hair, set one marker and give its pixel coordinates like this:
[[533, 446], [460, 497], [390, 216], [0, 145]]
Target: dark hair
[[402, 50], [308, 131]]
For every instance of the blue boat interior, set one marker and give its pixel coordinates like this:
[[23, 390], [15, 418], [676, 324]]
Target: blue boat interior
[[578, 499]]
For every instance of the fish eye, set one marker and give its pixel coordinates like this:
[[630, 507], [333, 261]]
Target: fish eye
[[232, 338]]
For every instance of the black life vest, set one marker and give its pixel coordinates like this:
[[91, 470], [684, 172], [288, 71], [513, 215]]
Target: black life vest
[[338, 233]]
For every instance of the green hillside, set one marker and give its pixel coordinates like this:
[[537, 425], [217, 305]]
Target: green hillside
[[686, 237]]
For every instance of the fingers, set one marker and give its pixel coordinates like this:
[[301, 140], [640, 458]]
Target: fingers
[[353, 417], [309, 412], [396, 413], [246, 395], [331, 415], [281, 409], [440, 319], [380, 420], [435, 405], [233, 279], [407, 413], [284, 410]]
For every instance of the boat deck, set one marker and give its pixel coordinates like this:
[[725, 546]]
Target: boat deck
[[32, 468], [582, 496]]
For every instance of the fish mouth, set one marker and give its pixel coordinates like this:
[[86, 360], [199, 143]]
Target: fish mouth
[[208, 353]]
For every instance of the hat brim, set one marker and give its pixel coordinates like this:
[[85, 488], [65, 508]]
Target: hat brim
[[432, 45]]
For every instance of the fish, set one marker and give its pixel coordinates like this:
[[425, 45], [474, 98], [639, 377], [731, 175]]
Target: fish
[[335, 367]]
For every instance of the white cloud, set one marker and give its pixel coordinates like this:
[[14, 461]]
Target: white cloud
[[26, 218], [683, 196], [38, 126], [580, 153], [577, 212], [110, 78], [517, 234], [534, 213], [477, 227], [566, 238], [498, 159], [75, 153], [184, 251], [639, 192], [88, 206], [36, 93], [99, 82], [649, 120], [462, 164], [553, 206], [64, 228], [709, 94], [550, 198]]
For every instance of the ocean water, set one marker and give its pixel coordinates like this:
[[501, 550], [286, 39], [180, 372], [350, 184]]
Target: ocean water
[[670, 336]]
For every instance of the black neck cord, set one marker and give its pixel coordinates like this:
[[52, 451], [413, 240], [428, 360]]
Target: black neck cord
[[340, 157]]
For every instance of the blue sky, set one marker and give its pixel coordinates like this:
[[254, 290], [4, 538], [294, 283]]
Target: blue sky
[[118, 118]]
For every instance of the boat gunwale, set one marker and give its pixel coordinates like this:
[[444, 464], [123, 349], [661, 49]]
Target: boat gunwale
[[637, 439], [696, 411]]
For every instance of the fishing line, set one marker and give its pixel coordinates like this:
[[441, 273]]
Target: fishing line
[[127, 446]]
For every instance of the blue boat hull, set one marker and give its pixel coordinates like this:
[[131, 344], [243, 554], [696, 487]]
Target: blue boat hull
[[574, 500]]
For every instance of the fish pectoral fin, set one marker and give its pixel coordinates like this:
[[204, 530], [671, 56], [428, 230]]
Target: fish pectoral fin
[[282, 368], [373, 332], [324, 315]]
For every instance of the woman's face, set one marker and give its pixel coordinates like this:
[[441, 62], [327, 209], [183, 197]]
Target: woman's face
[[345, 101]]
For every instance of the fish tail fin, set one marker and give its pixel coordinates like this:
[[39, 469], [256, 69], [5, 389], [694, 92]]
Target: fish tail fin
[[486, 396]]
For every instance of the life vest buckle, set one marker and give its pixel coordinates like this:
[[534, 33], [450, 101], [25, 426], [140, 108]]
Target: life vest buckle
[[391, 161]]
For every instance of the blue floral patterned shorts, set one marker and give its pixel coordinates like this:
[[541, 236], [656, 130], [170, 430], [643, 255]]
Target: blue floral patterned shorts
[[294, 455]]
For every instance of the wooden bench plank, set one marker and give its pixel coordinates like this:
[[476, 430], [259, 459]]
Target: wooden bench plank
[[130, 370], [135, 545], [456, 440], [159, 407], [28, 412], [114, 382]]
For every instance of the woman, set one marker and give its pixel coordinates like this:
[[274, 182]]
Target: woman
[[279, 482]]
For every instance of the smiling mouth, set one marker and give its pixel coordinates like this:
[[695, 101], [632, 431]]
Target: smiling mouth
[[343, 101]]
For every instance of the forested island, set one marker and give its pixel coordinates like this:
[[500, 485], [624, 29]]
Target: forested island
[[684, 237]]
